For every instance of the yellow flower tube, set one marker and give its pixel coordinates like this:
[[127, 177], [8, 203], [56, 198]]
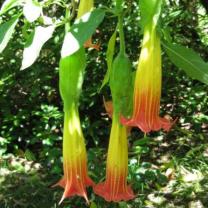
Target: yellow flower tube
[[147, 88], [115, 187], [75, 177]]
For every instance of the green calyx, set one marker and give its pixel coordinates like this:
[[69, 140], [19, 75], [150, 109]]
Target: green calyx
[[121, 84], [150, 11], [121, 76], [71, 75]]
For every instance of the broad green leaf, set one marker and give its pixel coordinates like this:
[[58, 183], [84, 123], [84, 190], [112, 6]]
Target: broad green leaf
[[188, 60], [9, 4], [81, 31], [32, 50], [31, 11], [149, 9], [6, 31], [109, 57]]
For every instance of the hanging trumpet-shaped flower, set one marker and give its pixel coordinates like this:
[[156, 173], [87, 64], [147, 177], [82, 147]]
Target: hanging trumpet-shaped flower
[[115, 187], [84, 7], [147, 88], [75, 179]]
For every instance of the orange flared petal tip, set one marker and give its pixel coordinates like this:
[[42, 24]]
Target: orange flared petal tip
[[72, 191], [89, 44], [168, 122], [106, 192], [159, 123], [60, 183], [74, 188]]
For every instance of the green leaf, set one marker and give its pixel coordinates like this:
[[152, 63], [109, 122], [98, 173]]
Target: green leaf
[[109, 57], [166, 34], [29, 155], [6, 31], [31, 11], [142, 142], [81, 31], [119, 5], [149, 9], [188, 60], [9, 4], [93, 205], [33, 48], [123, 205]]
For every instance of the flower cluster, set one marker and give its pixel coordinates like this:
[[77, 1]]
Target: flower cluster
[[145, 111]]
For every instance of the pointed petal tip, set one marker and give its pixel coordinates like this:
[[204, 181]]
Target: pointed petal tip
[[103, 191], [160, 123], [64, 196], [62, 199], [60, 183], [89, 44]]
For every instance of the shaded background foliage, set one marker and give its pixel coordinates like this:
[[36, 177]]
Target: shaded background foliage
[[31, 109]]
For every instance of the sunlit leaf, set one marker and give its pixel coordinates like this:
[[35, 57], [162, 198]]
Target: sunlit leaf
[[188, 60], [81, 31], [47, 20], [31, 11], [6, 31], [9, 4], [32, 50]]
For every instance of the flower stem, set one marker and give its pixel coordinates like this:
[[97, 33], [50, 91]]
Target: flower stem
[[121, 33]]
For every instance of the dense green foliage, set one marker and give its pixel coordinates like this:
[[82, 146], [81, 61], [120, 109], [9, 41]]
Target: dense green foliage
[[31, 118]]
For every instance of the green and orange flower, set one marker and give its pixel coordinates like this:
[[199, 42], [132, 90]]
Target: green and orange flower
[[147, 88], [115, 187], [75, 179]]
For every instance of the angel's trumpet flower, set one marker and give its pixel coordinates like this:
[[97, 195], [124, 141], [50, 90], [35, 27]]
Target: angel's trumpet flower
[[75, 179], [84, 7], [115, 187], [147, 88]]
